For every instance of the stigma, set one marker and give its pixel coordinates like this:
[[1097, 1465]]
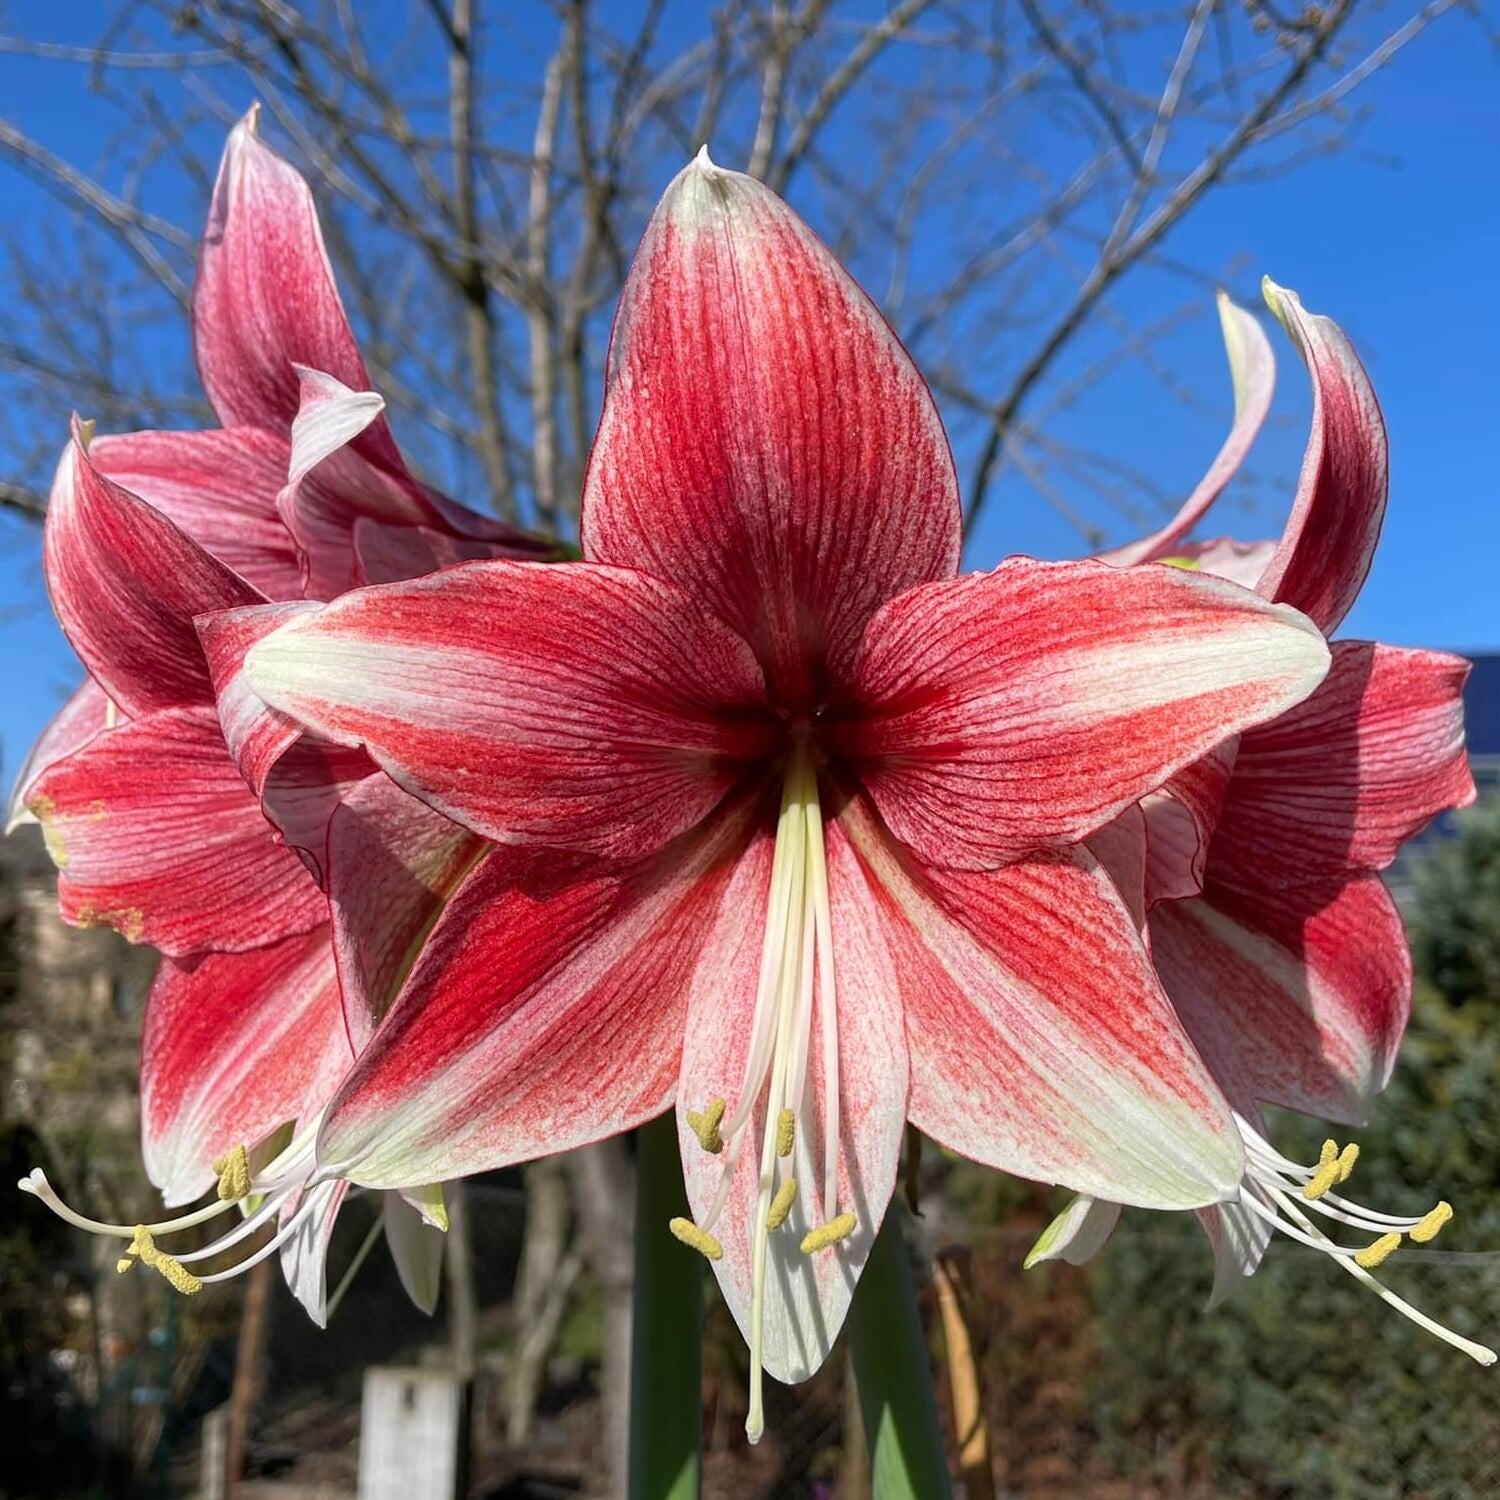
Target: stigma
[[774, 1108], [260, 1196], [1290, 1196]]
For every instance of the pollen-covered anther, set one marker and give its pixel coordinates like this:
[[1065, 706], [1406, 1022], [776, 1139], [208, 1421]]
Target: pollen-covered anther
[[1377, 1252], [1329, 1154], [781, 1204], [706, 1127], [1324, 1179], [234, 1175], [699, 1239], [1431, 1222], [786, 1132], [176, 1274], [829, 1234], [1347, 1157], [124, 1263]]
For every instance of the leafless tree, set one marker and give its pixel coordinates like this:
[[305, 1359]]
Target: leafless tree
[[995, 171]]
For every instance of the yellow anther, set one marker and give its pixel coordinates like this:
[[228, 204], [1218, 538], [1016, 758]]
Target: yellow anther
[[700, 1239], [1432, 1222], [177, 1275], [124, 1263], [781, 1204], [234, 1175], [1381, 1250], [786, 1132], [1329, 1154], [1347, 1157], [829, 1234], [1323, 1179], [706, 1127]]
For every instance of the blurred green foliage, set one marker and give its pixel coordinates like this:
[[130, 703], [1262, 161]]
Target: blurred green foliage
[[1305, 1383]]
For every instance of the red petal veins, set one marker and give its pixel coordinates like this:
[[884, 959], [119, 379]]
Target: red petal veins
[[299, 778], [1252, 369], [256, 734], [392, 865], [126, 583], [766, 443], [390, 554], [573, 705], [155, 834], [1295, 997], [218, 487], [1039, 1038], [1329, 541], [234, 1046], [265, 299], [1004, 712], [1344, 779], [1180, 820], [84, 715], [334, 495], [546, 1011]]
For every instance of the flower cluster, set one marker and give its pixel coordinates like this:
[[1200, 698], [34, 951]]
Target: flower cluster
[[459, 855]]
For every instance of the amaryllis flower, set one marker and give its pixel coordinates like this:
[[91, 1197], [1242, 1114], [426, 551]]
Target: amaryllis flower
[[784, 812], [1289, 967], [154, 832], [303, 491]]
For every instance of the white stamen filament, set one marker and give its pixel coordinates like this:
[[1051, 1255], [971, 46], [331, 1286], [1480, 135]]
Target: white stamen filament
[[285, 1175], [796, 973], [1477, 1352], [1273, 1193]]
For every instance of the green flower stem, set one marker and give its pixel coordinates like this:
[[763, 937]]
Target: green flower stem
[[891, 1368], [666, 1357]]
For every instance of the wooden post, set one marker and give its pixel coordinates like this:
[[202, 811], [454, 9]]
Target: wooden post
[[410, 1427], [249, 1364], [213, 1464]]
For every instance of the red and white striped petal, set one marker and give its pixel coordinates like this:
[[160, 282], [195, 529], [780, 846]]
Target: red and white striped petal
[[1252, 370], [334, 496], [87, 713], [1123, 850], [1329, 541], [1344, 779], [299, 778], [807, 1296], [1180, 820], [126, 583], [1004, 712], [389, 554], [545, 1012], [218, 487], [155, 834], [580, 706], [766, 443], [256, 734], [1040, 1041], [265, 298], [392, 865], [236, 1045], [1295, 997]]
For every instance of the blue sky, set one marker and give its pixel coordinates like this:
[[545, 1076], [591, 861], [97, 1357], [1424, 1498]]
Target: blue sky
[[1398, 240]]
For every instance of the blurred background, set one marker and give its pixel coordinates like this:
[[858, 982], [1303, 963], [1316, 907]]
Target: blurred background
[[1043, 196]]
